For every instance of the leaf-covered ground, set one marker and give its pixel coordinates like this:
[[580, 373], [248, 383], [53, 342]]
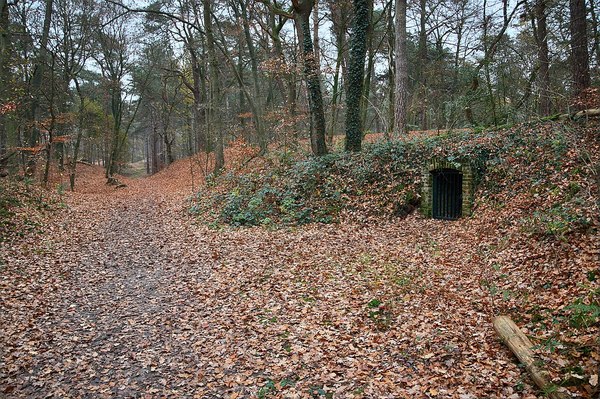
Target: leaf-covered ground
[[123, 294]]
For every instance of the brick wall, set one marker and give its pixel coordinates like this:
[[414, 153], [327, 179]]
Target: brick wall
[[467, 184]]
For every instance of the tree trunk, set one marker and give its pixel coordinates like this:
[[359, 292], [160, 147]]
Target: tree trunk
[[36, 84], [4, 70], [579, 49], [521, 346], [401, 92], [73, 162], [595, 30], [302, 13], [335, 93], [422, 65], [262, 139], [358, 50], [215, 88], [290, 83], [370, 70], [391, 73], [199, 93], [541, 36]]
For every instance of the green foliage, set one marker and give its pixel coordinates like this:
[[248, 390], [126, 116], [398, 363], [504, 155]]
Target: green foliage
[[266, 390], [583, 315], [386, 178]]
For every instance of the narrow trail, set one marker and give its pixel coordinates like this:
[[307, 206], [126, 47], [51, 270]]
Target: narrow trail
[[126, 297], [109, 331]]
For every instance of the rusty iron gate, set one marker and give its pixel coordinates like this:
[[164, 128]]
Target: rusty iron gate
[[447, 194]]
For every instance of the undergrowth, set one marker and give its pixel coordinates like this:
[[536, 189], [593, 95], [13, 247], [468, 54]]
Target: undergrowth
[[22, 206], [548, 163]]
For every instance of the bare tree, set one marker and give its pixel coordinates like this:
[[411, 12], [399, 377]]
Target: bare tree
[[302, 11], [215, 86], [401, 91], [541, 38], [4, 68]]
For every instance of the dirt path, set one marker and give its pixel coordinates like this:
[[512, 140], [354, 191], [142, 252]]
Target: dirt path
[[108, 329], [126, 297]]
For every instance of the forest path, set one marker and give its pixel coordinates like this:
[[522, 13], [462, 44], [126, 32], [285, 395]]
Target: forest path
[[125, 296], [116, 321]]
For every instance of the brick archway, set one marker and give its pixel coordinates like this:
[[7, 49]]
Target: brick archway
[[447, 189]]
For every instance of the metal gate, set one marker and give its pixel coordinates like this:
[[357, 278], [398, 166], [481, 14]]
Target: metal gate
[[447, 194]]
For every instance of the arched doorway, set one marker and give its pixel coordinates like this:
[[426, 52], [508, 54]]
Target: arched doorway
[[447, 194]]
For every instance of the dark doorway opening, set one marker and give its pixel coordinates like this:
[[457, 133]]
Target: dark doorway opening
[[447, 194]]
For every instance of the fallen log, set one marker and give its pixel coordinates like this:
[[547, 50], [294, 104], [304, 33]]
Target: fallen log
[[587, 113], [521, 346]]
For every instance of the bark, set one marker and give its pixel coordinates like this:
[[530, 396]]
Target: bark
[[335, 94], [391, 37], [4, 70], [370, 67], [262, 140], [199, 93], [73, 161], [358, 50], [541, 36], [521, 346], [340, 12], [594, 18], [215, 87], [302, 13], [579, 46], [316, 39], [401, 84], [39, 69], [422, 54]]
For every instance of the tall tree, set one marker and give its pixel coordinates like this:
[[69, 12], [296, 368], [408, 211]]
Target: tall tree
[[36, 84], [215, 86], [302, 11], [579, 46], [113, 57], [4, 69], [358, 50], [541, 38], [401, 83]]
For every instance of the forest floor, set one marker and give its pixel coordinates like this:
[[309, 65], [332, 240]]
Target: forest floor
[[123, 294]]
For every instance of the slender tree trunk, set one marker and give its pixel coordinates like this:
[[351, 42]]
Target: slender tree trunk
[[50, 144], [370, 68], [199, 100], [400, 112], [80, 117], [334, 97], [36, 84], [422, 66], [316, 38], [262, 139], [541, 35], [358, 50], [579, 49], [303, 10], [4, 70], [215, 87], [339, 17], [290, 84], [595, 31], [391, 72]]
